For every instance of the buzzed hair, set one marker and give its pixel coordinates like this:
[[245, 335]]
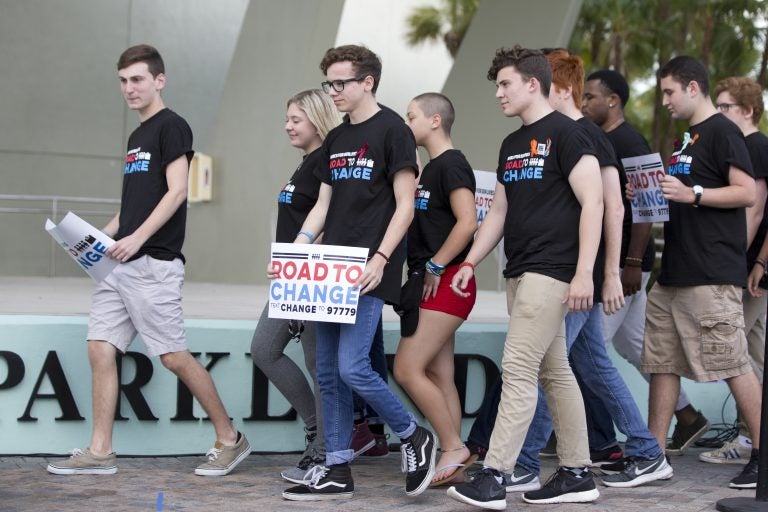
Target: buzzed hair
[[745, 92], [142, 53], [432, 103], [613, 82]]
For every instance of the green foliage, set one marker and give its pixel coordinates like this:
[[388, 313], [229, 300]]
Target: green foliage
[[450, 22], [636, 37]]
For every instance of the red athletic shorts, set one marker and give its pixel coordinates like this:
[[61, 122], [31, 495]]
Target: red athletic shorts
[[448, 302]]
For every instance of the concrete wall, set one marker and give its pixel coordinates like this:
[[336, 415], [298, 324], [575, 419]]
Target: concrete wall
[[230, 69], [63, 121], [277, 55]]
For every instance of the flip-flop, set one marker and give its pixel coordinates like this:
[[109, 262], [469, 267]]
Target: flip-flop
[[460, 468]]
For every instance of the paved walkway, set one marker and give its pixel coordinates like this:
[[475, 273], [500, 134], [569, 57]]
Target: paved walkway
[[256, 485]]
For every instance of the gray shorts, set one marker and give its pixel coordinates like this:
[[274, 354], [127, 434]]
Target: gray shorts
[[142, 296]]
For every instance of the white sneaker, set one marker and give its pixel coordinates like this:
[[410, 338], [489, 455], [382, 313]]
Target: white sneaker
[[732, 452]]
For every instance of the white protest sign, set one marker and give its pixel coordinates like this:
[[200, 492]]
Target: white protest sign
[[645, 174], [485, 186], [84, 243], [314, 282]]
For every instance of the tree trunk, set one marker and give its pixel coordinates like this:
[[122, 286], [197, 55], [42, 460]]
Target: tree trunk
[[706, 42], [762, 77]]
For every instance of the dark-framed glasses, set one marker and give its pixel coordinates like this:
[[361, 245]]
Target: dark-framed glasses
[[338, 85], [725, 107]]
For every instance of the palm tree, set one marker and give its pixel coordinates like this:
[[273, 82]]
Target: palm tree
[[636, 37], [449, 22]]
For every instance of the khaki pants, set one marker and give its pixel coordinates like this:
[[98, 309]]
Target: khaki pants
[[534, 350]]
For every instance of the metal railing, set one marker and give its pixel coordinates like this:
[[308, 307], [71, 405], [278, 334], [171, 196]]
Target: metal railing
[[53, 209]]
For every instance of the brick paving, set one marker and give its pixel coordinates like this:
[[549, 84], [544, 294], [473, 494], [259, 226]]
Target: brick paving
[[256, 485]]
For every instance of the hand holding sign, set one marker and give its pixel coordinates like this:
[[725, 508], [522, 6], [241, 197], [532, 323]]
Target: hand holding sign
[[675, 190], [86, 245], [315, 282], [645, 174]]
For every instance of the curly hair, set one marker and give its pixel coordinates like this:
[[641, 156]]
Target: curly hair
[[744, 91], [365, 62], [529, 63]]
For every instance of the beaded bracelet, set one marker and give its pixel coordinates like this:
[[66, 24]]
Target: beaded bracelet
[[434, 269], [633, 262], [309, 236]]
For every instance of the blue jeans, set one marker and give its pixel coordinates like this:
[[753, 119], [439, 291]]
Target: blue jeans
[[344, 366], [379, 365], [590, 360]]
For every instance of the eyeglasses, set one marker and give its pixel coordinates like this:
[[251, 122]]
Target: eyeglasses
[[725, 107], [338, 85]]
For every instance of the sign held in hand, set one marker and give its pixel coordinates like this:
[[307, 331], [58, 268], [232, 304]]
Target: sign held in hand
[[85, 244], [315, 282]]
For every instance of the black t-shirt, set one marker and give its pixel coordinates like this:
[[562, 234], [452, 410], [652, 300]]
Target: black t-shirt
[[757, 145], [541, 228], [362, 160], [605, 157], [433, 218], [157, 142], [628, 142], [297, 198], [706, 246]]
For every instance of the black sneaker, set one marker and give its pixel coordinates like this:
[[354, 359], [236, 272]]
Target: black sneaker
[[685, 435], [323, 483], [521, 480], [565, 487], [610, 455], [639, 472], [484, 490], [748, 477], [616, 467], [418, 453]]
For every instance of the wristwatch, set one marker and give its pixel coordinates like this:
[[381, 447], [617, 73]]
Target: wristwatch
[[698, 191]]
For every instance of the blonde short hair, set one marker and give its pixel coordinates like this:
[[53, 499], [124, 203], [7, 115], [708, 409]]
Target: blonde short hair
[[319, 108]]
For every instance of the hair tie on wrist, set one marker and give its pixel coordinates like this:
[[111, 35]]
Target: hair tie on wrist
[[467, 264], [382, 255], [309, 236]]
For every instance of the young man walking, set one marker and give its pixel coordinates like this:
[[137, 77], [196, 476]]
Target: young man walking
[[695, 320], [740, 99], [606, 94], [584, 331], [548, 206], [143, 294], [365, 200]]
